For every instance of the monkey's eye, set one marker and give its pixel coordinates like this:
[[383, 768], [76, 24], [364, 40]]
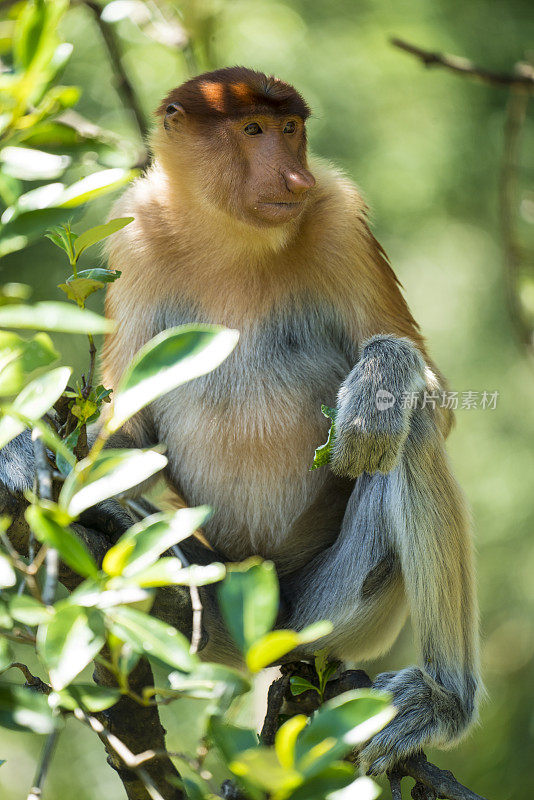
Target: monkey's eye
[[252, 129], [290, 127]]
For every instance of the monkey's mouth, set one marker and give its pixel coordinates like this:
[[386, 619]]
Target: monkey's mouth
[[279, 210]]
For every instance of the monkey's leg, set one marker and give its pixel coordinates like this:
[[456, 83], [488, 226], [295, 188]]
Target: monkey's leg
[[405, 533], [429, 524]]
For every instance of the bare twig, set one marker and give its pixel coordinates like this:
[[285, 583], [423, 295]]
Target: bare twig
[[196, 603], [122, 82], [44, 490], [516, 111], [275, 698], [36, 792], [125, 754], [32, 681], [441, 781], [523, 78]]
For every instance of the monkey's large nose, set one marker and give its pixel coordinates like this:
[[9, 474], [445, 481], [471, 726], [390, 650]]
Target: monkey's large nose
[[298, 181]]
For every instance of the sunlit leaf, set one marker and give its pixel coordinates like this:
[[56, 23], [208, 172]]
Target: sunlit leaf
[[275, 644], [28, 610], [69, 642], [143, 543], [361, 789], [99, 233], [32, 165], [112, 472], [152, 637], [169, 359], [286, 737], [95, 185], [169, 572], [84, 695], [19, 358], [334, 777], [23, 710], [79, 289], [34, 401], [52, 316], [47, 528], [8, 576], [261, 767], [248, 598]]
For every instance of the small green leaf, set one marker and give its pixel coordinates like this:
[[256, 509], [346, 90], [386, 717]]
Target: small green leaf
[[100, 274], [79, 289], [101, 232], [47, 526], [170, 359], [88, 696], [151, 637], [143, 543], [300, 685], [112, 472], [69, 642], [28, 610], [23, 710], [51, 316], [323, 454], [249, 600], [33, 402]]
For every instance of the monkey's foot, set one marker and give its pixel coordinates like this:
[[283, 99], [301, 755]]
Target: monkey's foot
[[427, 715]]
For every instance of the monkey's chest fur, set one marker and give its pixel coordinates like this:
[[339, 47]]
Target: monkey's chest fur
[[244, 435]]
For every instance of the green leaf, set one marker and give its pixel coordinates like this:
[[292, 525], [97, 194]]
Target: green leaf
[[28, 610], [112, 472], [340, 725], [33, 402], [69, 642], [47, 526], [6, 654], [300, 685], [272, 646], [144, 542], [79, 289], [170, 359], [99, 233], [8, 576], [96, 185], [151, 637], [19, 358], [323, 454], [211, 682], [286, 738], [261, 767], [169, 572], [333, 778], [23, 710], [88, 696], [63, 237], [52, 316], [361, 789], [98, 274], [27, 164], [232, 740], [249, 600]]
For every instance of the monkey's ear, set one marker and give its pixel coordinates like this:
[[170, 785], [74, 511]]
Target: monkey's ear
[[173, 112]]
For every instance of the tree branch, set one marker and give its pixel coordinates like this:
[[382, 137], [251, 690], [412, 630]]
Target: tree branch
[[122, 82], [523, 78]]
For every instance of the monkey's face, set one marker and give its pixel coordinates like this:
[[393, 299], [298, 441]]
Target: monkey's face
[[252, 167], [275, 181]]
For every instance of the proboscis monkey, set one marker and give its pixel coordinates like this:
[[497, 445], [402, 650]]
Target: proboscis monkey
[[234, 226]]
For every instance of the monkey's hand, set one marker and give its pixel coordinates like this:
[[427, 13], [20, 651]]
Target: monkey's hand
[[373, 422], [427, 715]]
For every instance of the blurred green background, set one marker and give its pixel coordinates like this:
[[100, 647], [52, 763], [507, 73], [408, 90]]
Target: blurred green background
[[425, 147]]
